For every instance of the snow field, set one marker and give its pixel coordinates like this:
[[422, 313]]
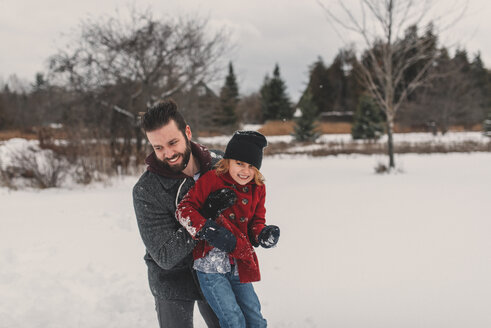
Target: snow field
[[361, 250], [356, 249]]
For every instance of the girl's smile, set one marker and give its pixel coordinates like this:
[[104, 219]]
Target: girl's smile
[[241, 172]]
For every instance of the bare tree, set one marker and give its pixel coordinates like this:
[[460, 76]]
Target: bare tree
[[394, 64], [155, 58], [249, 108], [124, 65]]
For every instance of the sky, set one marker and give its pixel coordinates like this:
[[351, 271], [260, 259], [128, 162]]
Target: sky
[[291, 33]]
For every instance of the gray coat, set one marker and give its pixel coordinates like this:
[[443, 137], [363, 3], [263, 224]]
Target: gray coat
[[168, 245]]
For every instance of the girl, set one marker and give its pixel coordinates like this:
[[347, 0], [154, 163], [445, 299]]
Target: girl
[[225, 272]]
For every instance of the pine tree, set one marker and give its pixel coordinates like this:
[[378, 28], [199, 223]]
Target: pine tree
[[482, 82], [336, 87], [265, 95], [229, 98], [305, 126], [274, 99], [368, 120], [319, 85], [487, 126]]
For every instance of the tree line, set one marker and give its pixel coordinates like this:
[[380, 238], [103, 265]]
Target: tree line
[[113, 69]]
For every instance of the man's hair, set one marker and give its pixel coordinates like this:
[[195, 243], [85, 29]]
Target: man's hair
[[161, 114]]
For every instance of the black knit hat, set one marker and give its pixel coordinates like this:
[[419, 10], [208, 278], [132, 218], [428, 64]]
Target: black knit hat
[[246, 146]]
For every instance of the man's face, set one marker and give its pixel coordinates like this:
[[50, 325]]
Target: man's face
[[171, 147]]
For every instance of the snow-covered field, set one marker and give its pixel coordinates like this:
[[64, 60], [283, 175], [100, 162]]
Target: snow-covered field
[[343, 143], [356, 249], [416, 137]]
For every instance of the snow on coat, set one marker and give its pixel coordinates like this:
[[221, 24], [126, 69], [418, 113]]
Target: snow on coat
[[245, 219]]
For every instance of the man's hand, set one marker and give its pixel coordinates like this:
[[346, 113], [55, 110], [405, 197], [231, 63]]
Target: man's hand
[[217, 202], [218, 236], [269, 236]]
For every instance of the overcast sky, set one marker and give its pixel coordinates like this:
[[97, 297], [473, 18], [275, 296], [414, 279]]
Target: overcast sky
[[292, 33]]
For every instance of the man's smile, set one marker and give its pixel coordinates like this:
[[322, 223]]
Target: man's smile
[[173, 159]]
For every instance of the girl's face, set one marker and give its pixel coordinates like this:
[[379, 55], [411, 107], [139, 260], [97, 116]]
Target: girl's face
[[241, 172]]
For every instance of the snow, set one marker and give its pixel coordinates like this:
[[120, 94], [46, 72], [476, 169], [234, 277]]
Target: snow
[[215, 261], [186, 223], [329, 142], [356, 249], [251, 127], [450, 137], [11, 147]]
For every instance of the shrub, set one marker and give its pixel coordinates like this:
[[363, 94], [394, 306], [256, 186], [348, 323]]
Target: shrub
[[28, 165], [486, 126], [368, 120]]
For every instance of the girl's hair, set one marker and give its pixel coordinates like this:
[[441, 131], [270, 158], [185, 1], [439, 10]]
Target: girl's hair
[[224, 164]]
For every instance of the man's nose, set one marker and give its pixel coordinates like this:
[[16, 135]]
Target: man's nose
[[168, 153]]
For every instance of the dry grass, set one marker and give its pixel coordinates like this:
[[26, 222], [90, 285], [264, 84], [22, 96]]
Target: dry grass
[[454, 128], [461, 128], [205, 134], [32, 133], [277, 128], [9, 134], [334, 127], [270, 128], [367, 148]]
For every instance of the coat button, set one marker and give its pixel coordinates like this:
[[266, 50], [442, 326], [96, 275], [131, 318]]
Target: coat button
[[245, 189], [243, 219], [245, 201], [231, 216]]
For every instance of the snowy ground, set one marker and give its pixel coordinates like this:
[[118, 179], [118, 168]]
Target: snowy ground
[[356, 249], [448, 138]]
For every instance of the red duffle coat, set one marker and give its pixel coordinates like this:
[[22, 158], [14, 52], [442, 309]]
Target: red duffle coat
[[245, 219]]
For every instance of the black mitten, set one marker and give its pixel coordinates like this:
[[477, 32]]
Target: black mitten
[[218, 236], [217, 202], [268, 237]]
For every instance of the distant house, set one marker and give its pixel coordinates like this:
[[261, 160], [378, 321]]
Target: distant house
[[207, 103]]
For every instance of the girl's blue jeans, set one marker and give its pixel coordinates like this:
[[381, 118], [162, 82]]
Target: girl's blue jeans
[[235, 304]]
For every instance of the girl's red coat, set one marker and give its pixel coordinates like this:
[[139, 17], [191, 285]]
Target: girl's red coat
[[245, 219]]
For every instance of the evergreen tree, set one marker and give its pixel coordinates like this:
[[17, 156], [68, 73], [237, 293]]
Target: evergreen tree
[[229, 98], [337, 84], [265, 96], [337, 87], [275, 102], [368, 121], [409, 47], [487, 126], [3, 114], [40, 82], [305, 126], [353, 88], [319, 85], [482, 82]]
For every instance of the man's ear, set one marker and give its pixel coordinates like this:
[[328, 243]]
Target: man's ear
[[188, 132]]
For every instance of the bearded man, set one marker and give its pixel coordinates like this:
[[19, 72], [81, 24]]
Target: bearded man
[[172, 169]]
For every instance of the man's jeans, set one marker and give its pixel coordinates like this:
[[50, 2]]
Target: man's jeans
[[173, 313], [235, 304]]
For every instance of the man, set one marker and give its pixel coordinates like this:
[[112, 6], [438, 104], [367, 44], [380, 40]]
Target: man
[[173, 167]]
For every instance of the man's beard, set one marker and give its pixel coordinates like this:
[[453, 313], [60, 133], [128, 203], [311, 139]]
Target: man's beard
[[177, 168]]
